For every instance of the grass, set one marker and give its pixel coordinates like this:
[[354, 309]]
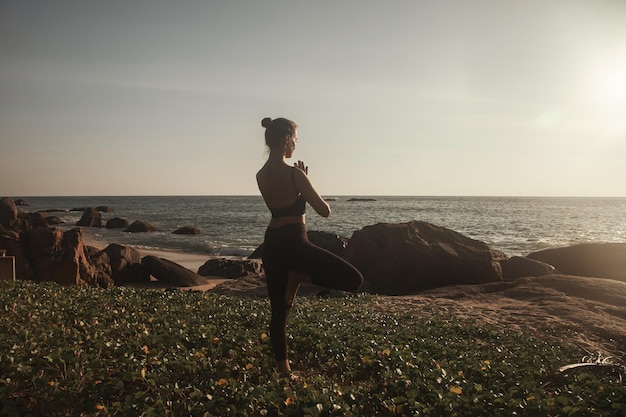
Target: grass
[[126, 352]]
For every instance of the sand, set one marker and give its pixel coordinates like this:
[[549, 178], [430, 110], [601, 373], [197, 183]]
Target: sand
[[191, 261]]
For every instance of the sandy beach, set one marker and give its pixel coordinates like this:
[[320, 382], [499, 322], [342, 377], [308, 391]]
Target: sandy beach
[[191, 261]]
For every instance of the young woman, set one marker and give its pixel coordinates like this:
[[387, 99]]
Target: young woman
[[289, 259]]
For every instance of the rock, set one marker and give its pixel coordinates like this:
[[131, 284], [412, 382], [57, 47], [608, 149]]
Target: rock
[[11, 243], [53, 220], [117, 223], [105, 209], [230, 268], [139, 226], [405, 258], [30, 221], [519, 267], [8, 213], [125, 264], [171, 273], [601, 260], [12, 220], [62, 258], [102, 267], [362, 199], [21, 202], [329, 241], [91, 218], [187, 230]]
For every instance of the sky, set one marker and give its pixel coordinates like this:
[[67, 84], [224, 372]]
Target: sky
[[433, 98]]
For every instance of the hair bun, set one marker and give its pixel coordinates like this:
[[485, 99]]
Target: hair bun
[[266, 122]]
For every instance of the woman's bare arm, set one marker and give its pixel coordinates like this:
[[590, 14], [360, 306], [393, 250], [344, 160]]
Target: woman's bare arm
[[309, 192]]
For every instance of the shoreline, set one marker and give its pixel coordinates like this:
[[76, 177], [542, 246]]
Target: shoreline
[[188, 260]]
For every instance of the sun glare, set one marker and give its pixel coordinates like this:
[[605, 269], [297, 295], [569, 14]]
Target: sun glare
[[609, 82]]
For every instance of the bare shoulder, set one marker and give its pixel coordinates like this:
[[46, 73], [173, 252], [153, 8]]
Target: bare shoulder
[[300, 176]]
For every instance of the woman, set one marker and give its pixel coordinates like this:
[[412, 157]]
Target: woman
[[289, 259]]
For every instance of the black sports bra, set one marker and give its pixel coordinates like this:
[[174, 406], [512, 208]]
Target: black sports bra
[[298, 207]]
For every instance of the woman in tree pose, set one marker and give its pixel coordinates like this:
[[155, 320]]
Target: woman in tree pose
[[289, 259]]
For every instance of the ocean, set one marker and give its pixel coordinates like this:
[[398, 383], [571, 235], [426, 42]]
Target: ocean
[[235, 225]]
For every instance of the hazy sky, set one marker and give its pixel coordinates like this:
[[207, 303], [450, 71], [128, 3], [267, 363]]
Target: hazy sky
[[147, 97]]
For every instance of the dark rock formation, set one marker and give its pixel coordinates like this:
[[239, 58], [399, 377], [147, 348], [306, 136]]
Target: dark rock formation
[[21, 202], [362, 199], [10, 242], [8, 213], [230, 268], [139, 226], [410, 257], [519, 267], [329, 241], [105, 209], [125, 264], [91, 218], [602, 260], [117, 223], [63, 258], [171, 273], [187, 230]]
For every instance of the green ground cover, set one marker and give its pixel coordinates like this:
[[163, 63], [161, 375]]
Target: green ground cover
[[127, 352]]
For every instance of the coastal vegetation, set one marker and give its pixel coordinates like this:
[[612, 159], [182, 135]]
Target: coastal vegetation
[[72, 350]]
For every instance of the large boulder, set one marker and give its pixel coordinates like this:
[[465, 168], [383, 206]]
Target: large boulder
[[125, 264], [139, 226], [91, 218], [230, 268], [10, 242], [8, 213], [171, 273], [601, 260], [519, 267], [406, 258], [63, 258], [329, 241], [116, 223]]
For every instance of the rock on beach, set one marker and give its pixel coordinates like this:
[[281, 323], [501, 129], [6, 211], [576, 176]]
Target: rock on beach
[[603, 260], [406, 258]]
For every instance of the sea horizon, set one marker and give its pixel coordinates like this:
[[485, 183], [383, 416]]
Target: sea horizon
[[235, 225]]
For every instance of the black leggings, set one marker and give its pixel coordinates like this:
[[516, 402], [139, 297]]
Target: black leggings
[[287, 248]]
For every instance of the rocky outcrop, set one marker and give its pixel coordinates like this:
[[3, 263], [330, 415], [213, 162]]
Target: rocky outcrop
[[10, 242], [230, 268], [171, 273], [116, 223], [125, 264], [329, 241], [187, 230], [139, 226], [105, 209], [91, 218], [602, 260], [519, 267], [406, 258], [8, 213], [21, 202], [63, 258]]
